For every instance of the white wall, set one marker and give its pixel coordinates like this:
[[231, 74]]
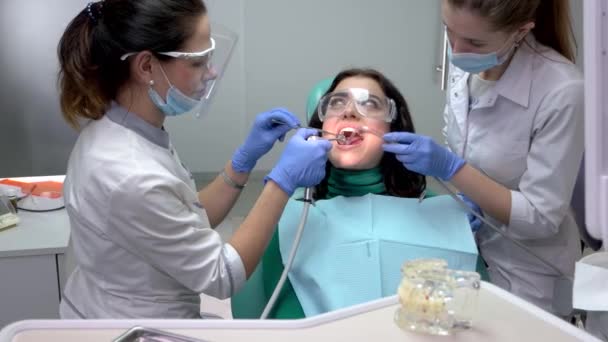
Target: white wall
[[34, 139], [576, 7], [206, 144]]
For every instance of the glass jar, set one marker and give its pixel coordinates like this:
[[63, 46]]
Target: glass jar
[[435, 299], [12, 195]]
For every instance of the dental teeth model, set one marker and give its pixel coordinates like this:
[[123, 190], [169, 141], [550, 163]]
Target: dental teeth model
[[434, 299]]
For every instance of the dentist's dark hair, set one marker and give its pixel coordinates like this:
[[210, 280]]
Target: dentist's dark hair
[[553, 22], [89, 51], [398, 180]]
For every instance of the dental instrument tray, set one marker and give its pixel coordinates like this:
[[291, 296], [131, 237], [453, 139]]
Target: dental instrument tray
[[143, 334]]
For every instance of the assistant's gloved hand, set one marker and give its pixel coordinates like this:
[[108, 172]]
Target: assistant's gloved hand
[[421, 154], [262, 137], [473, 220], [302, 163]]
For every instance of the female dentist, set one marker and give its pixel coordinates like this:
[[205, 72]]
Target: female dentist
[[514, 129], [141, 233]]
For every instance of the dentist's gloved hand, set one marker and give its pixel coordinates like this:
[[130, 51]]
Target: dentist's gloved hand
[[262, 137], [473, 220], [302, 163], [421, 154]]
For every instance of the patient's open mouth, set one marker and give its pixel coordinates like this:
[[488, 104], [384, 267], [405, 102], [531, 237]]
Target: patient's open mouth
[[351, 135]]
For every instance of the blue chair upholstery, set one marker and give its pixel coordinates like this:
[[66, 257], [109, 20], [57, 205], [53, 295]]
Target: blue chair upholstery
[[315, 95]]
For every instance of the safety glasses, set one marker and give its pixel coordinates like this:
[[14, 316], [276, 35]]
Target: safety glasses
[[206, 54], [365, 103]]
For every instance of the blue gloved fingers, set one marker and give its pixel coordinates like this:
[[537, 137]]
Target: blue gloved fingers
[[401, 137], [397, 149], [423, 155], [281, 115], [262, 137], [266, 127], [302, 163], [288, 122], [408, 159], [305, 133], [403, 153], [324, 144]]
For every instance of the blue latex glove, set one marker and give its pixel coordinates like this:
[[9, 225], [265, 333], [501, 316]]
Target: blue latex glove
[[421, 154], [473, 220], [302, 163], [262, 137]]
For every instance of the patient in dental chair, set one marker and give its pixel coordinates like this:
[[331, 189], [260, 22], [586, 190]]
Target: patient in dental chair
[[345, 245]]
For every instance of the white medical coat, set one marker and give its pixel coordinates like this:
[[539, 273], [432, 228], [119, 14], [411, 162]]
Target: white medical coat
[[526, 133], [142, 241]]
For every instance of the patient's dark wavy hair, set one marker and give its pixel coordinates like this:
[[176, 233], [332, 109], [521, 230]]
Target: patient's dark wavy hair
[[399, 181]]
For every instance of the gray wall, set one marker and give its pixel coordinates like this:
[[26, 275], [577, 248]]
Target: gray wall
[[576, 6], [284, 48], [33, 137]]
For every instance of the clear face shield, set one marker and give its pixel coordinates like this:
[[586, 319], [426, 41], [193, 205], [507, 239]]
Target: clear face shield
[[224, 40], [212, 61], [365, 104]]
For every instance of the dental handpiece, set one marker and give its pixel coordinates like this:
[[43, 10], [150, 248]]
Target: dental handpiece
[[309, 192]]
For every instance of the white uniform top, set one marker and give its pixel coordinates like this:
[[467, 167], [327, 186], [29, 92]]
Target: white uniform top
[[141, 238], [526, 133]]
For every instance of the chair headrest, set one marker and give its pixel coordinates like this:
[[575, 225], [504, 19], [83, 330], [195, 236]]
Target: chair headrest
[[315, 95]]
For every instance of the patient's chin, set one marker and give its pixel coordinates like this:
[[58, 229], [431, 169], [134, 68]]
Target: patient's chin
[[350, 163], [356, 159]]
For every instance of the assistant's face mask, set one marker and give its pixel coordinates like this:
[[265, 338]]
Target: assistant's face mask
[[475, 63]]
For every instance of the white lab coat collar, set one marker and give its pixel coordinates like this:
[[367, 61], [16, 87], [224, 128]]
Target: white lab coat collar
[[516, 83], [121, 116]]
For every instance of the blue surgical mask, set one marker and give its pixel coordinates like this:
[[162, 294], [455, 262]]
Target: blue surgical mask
[[177, 103], [475, 63]]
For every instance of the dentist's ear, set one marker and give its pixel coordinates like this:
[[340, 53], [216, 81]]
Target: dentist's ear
[[523, 31], [141, 67]]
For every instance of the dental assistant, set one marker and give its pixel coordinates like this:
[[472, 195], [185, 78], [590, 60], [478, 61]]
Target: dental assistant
[[140, 231], [514, 133]]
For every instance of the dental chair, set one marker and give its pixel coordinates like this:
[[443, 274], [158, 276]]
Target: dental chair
[[249, 302]]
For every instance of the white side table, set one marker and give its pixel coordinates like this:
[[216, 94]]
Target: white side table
[[32, 264]]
